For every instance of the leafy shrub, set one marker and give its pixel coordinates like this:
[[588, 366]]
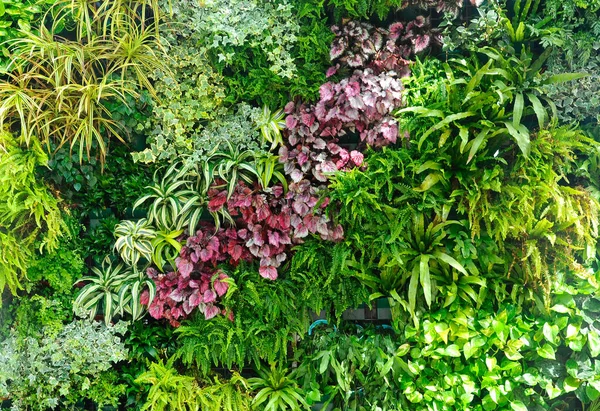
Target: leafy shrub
[[61, 369], [578, 101], [67, 95], [91, 187], [16, 19], [170, 390], [461, 357]]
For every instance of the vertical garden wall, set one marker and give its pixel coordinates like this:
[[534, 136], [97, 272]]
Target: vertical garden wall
[[299, 204]]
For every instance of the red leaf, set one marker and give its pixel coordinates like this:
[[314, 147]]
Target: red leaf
[[184, 266], [236, 252], [210, 296], [273, 238], [145, 297], [211, 311], [156, 310], [195, 299], [357, 157], [268, 272], [220, 286], [216, 203]]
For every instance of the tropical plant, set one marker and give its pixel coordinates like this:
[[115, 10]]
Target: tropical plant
[[101, 294], [130, 294], [170, 390], [16, 19], [270, 125], [30, 216], [491, 106], [166, 248], [61, 369], [134, 240], [277, 389], [57, 87]]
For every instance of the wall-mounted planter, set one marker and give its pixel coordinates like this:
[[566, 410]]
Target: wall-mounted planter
[[379, 310]]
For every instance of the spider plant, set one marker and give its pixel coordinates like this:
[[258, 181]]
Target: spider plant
[[270, 125], [56, 88], [130, 292], [134, 240], [101, 294]]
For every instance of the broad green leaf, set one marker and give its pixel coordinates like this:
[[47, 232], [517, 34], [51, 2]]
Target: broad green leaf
[[425, 278], [518, 109], [546, 351], [477, 143], [450, 261], [446, 121], [521, 136], [564, 77], [518, 406], [571, 384], [594, 343], [412, 288], [429, 181]]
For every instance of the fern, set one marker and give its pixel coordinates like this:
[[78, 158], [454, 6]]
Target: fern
[[169, 390], [29, 214], [229, 395]]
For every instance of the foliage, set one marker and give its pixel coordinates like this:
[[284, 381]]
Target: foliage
[[46, 302], [361, 45], [277, 390], [262, 318], [91, 187], [380, 9], [134, 241], [16, 19], [268, 26], [112, 290], [577, 101], [59, 370], [173, 391], [30, 216], [463, 358], [57, 87], [169, 391]]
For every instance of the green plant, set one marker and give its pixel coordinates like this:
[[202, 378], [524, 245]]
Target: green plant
[[166, 248], [16, 19], [57, 87], [277, 389], [101, 294], [171, 198], [134, 240], [30, 216], [491, 105], [270, 125], [461, 357], [58, 370], [170, 390]]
